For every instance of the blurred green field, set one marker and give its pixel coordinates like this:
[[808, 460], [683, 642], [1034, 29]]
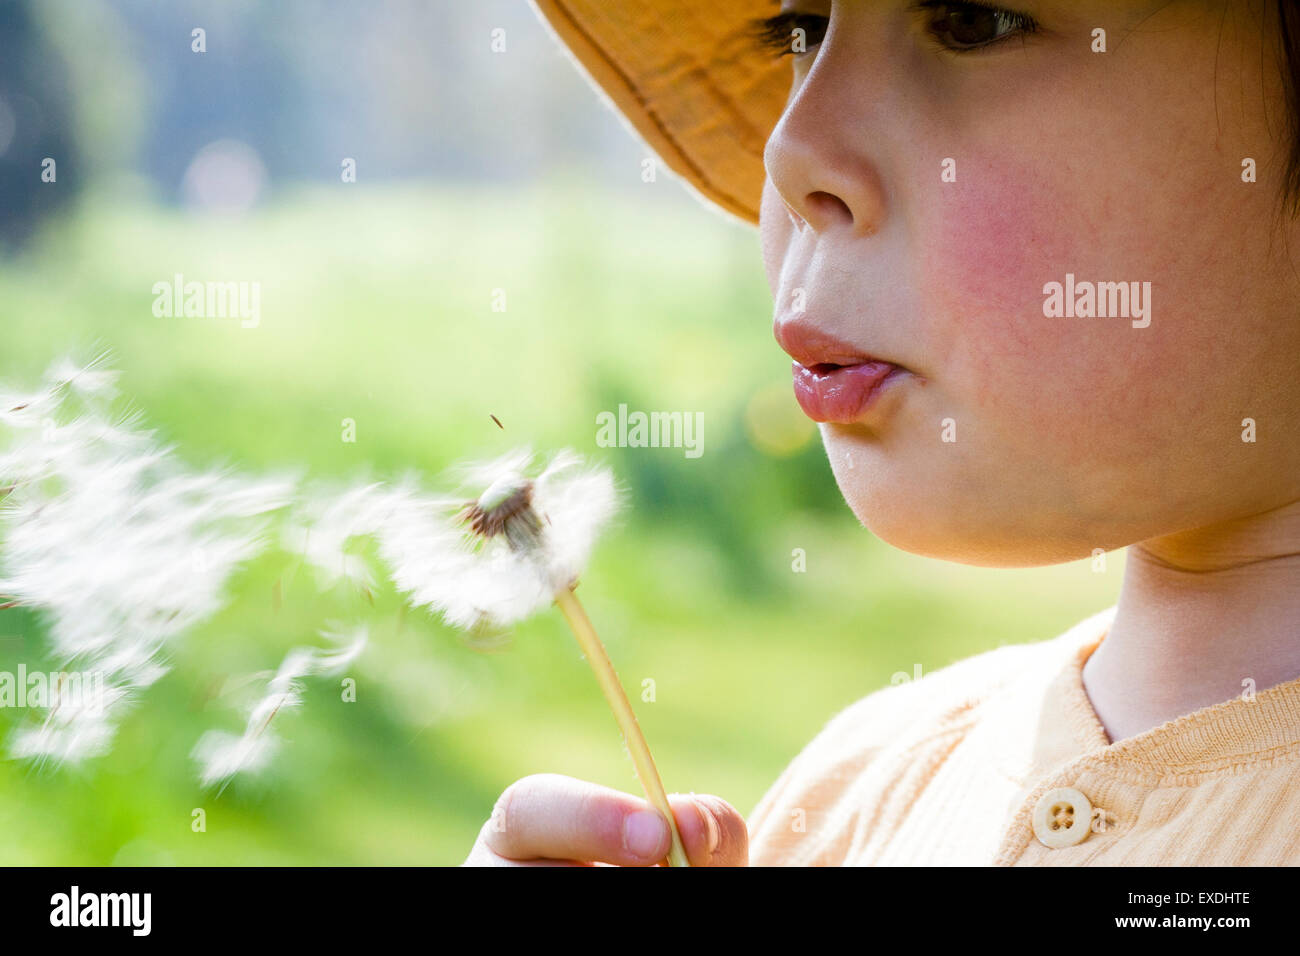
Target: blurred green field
[[377, 306]]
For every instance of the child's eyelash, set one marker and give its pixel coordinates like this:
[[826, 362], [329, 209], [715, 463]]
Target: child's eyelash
[[775, 33], [945, 20]]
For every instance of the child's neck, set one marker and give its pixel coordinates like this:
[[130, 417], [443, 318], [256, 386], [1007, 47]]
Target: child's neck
[[1202, 616]]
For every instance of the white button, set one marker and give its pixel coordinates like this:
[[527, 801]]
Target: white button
[[1062, 818]]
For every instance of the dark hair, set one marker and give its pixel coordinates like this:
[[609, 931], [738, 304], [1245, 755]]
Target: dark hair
[[1288, 23]]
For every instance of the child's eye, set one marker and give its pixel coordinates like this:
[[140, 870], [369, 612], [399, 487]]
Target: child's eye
[[960, 25], [969, 24]]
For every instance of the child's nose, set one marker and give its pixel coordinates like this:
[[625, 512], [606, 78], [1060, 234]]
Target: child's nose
[[826, 182]]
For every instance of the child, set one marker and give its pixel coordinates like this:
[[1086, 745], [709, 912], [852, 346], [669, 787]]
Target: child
[[1033, 267]]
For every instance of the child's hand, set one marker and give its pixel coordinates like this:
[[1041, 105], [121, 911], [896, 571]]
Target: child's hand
[[552, 820]]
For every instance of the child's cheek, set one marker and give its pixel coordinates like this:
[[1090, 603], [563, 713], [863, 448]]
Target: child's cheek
[[993, 239]]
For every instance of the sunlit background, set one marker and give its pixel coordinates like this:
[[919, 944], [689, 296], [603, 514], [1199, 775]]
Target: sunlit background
[[479, 175]]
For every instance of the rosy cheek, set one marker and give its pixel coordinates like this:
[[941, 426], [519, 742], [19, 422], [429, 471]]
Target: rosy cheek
[[996, 241], [989, 242]]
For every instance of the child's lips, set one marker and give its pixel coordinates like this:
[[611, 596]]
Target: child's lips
[[834, 379], [843, 394]]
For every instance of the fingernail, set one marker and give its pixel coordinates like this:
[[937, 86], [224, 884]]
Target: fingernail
[[711, 825], [645, 834]]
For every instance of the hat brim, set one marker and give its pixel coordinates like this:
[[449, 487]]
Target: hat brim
[[690, 79]]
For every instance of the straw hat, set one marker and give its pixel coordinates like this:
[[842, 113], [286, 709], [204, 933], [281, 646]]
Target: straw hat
[[689, 79]]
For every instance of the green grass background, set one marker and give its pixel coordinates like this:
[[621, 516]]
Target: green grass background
[[376, 306]]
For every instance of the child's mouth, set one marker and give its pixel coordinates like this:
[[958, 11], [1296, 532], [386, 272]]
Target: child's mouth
[[843, 394]]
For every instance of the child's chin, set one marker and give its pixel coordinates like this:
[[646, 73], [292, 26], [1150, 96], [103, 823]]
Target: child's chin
[[950, 509], [934, 533]]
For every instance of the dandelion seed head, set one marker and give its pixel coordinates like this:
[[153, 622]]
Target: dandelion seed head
[[505, 493], [506, 508], [503, 556]]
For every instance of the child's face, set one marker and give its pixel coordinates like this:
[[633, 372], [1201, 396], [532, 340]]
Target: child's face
[[1071, 433]]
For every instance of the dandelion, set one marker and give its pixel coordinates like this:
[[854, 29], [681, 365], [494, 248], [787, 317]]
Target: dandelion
[[121, 550], [522, 544]]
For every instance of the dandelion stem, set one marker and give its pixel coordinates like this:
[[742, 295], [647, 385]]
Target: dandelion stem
[[623, 713]]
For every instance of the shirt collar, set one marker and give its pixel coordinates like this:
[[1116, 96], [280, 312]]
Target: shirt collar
[[1245, 730]]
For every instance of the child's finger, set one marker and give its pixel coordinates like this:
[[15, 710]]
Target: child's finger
[[713, 832]]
